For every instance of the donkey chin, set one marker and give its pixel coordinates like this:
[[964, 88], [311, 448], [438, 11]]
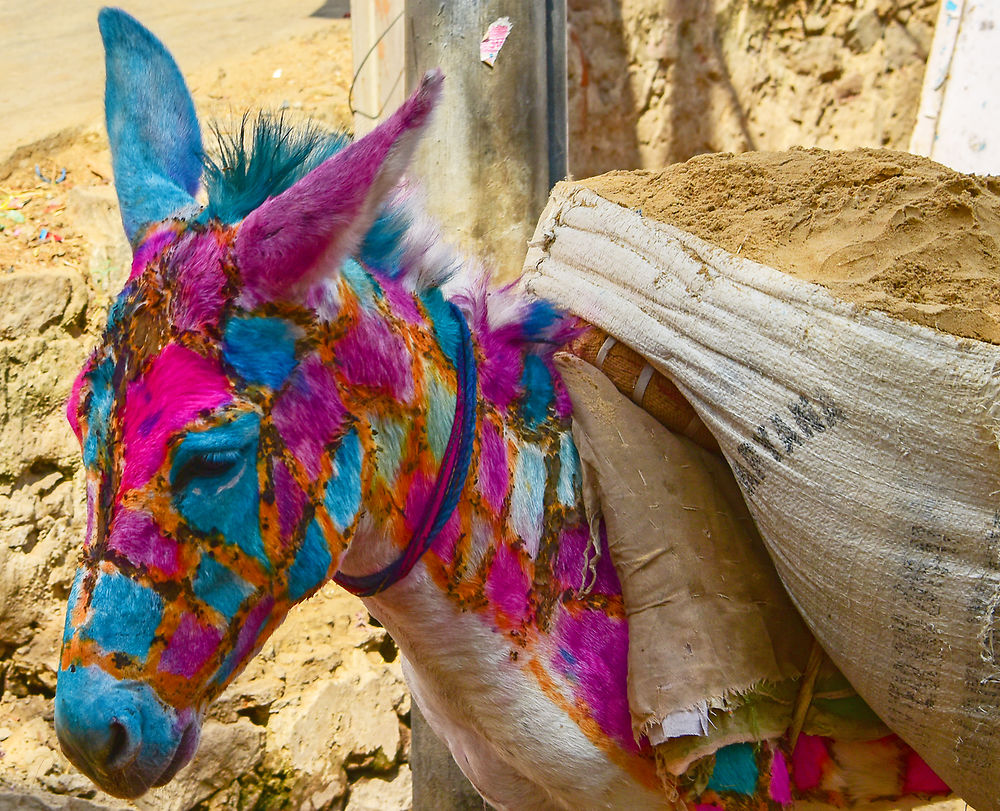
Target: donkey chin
[[120, 733]]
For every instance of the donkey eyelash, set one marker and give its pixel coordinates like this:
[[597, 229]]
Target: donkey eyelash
[[219, 458], [208, 465]]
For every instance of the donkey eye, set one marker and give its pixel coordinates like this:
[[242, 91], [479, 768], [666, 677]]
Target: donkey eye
[[207, 465], [218, 456]]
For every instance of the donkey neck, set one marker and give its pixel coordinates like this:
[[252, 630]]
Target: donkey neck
[[522, 489], [425, 520], [516, 610], [517, 552]]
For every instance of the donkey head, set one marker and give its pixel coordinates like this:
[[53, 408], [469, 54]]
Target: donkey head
[[223, 463]]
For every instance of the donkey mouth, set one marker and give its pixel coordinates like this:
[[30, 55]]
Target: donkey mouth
[[182, 756], [135, 776], [131, 779]]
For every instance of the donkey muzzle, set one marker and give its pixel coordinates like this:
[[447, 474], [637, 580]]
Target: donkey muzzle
[[119, 733]]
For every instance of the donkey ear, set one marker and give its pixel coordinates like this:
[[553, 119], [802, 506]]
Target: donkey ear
[[155, 140], [284, 244]]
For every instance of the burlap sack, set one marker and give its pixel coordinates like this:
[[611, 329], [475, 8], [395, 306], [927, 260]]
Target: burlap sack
[[865, 447]]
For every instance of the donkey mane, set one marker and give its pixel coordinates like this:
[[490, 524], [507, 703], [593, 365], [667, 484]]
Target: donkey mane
[[261, 158], [266, 154]]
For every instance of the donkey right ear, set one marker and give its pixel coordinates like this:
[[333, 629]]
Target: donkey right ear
[[155, 139]]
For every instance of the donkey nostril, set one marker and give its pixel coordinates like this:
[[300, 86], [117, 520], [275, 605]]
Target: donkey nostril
[[116, 731], [121, 747]]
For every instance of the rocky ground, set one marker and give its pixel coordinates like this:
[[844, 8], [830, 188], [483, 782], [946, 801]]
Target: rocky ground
[[320, 719]]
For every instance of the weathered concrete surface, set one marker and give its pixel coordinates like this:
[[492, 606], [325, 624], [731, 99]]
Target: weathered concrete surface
[[485, 159], [439, 784], [653, 82]]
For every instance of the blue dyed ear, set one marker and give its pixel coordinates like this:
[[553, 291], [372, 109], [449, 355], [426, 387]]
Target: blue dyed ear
[[155, 139]]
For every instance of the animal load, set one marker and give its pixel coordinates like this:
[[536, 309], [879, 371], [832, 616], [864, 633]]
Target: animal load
[[834, 320], [718, 655]]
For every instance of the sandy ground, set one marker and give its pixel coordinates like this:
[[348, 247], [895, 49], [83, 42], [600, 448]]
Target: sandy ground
[[284, 59], [51, 63]]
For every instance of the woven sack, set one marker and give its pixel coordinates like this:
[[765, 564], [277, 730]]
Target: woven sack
[[865, 445]]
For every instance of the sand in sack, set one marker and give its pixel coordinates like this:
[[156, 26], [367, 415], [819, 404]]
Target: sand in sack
[[890, 231], [833, 319]]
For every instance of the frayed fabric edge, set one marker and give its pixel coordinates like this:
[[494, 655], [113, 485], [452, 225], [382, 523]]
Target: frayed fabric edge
[[696, 721]]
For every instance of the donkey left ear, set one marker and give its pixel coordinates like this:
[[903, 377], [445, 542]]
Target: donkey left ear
[[155, 139], [284, 244]]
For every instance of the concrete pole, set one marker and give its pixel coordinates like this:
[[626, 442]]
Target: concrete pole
[[495, 147], [378, 37], [438, 783], [497, 143]]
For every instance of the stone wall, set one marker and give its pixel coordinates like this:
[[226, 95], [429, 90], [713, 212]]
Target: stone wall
[[653, 82]]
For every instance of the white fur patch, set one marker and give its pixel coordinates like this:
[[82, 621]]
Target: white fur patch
[[527, 498], [519, 749]]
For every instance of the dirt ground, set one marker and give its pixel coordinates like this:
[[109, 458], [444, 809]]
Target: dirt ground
[[651, 82], [51, 63], [308, 70]]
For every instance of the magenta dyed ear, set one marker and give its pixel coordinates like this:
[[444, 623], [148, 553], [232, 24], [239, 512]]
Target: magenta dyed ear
[[284, 244]]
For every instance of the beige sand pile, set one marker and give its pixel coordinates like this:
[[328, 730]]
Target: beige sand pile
[[890, 231]]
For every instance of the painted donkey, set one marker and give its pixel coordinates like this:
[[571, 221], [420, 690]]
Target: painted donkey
[[299, 383]]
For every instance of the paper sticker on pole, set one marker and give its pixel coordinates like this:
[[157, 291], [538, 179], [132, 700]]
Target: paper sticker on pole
[[496, 36]]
